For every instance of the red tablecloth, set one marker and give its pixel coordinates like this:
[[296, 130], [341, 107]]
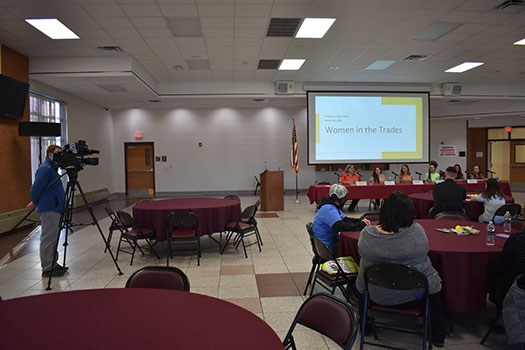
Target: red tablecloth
[[424, 201], [130, 319], [463, 262], [213, 213], [316, 192]]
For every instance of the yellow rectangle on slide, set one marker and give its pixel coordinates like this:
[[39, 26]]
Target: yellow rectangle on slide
[[406, 101]]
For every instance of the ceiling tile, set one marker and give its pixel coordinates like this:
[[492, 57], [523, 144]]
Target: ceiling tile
[[155, 33], [217, 22], [149, 22], [114, 23], [216, 10], [149, 10], [179, 10], [104, 11]]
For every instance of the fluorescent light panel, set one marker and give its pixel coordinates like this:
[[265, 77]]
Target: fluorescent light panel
[[380, 65], [314, 27], [53, 28], [291, 64], [464, 67], [520, 42]]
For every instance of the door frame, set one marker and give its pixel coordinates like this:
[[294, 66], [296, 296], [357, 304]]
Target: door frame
[[126, 144]]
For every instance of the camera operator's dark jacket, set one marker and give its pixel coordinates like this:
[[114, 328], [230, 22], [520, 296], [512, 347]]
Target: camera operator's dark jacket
[[47, 199]]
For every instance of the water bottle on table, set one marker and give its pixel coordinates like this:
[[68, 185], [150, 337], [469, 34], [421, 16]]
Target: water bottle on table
[[507, 226], [491, 238]]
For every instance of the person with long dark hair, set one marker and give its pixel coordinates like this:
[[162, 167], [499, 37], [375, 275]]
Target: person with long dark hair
[[459, 173], [377, 178], [492, 198], [398, 239], [405, 177]]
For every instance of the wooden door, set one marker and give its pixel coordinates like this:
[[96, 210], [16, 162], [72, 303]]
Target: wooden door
[[140, 169], [517, 161], [499, 159]]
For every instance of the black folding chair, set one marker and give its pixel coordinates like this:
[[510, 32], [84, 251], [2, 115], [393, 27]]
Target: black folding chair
[[132, 236], [116, 224], [447, 215], [316, 260], [513, 208], [396, 277], [329, 316], [245, 226], [183, 229], [159, 277]]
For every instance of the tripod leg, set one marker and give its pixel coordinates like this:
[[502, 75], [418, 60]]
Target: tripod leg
[[95, 222]]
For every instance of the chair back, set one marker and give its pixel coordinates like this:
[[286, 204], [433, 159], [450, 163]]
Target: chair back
[[125, 218], [329, 316], [447, 215], [182, 220], [248, 213], [513, 208], [517, 224], [310, 230], [370, 216], [232, 196], [159, 277], [322, 250], [395, 276], [448, 207]]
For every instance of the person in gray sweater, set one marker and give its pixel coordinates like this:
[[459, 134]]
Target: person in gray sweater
[[397, 239], [514, 314]]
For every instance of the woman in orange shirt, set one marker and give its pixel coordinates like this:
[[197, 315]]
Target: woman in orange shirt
[[350, 177]]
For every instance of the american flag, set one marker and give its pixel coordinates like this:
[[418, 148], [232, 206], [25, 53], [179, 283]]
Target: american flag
[[293, 150]]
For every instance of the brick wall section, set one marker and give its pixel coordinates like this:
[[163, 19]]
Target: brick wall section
[[15, 151]]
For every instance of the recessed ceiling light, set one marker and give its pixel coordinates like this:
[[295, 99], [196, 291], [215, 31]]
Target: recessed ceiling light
[[520, 42], [314, 27], [334, 67], [380, 65], [185, 26], [464, 67], [291, 64], [53, 28], [178, 67]]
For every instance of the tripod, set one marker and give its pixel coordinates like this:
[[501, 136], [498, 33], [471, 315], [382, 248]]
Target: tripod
[[66, 217]]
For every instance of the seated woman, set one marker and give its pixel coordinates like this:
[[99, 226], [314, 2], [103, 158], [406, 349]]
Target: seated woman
[[510, 264], [492, 198], [459, 173], [514, 314], [432, 175], [476, 173], [330, 220], [377, 178], [350, 177], [405, 177], [397, 239]]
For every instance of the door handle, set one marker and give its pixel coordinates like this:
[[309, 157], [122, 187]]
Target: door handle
[[141, 171]]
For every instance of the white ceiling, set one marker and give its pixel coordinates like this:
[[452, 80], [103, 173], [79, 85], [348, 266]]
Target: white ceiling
[[234, 39]]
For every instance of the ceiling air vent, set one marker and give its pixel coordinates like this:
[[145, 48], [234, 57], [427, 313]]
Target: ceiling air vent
[[154, 101], [268, 64], [112, 87], [283, 27], [419, 58], [114, 49]]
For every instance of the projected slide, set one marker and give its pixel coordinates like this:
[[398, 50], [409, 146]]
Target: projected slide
[[390, 127]]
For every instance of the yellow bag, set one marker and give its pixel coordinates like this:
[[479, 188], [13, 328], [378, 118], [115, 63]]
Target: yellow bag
[[347, 263]]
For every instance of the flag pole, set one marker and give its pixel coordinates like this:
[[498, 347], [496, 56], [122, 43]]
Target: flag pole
[[297, 189]]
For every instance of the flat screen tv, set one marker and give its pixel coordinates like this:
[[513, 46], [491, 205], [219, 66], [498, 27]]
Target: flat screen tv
[[13, 97]]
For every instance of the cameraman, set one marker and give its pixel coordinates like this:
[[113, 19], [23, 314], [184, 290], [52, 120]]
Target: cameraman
[[49, 203]]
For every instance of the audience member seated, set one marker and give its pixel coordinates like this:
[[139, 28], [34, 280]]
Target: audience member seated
[[350, 177], [514, 314], [377, 178], [405, 177], [398, 239], [510, 264], [459, 173], [330, 220], [492, 198], [448, 195], [476, 173], [432, 175]]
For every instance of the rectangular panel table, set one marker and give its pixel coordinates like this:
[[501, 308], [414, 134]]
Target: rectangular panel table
[[317, 192]]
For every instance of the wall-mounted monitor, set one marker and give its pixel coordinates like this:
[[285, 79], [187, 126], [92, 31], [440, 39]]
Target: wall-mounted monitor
[[13, 97], [368, 127], [40, 129]]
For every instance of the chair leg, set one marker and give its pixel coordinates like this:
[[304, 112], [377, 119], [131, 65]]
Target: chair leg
[[168, 253], [484, 339], [313, 284], [312, 271], [258, 234], [228, 237], [118, 248], [151, 248], [363, 322], [243, 246], [110, 236], [198, 251], [133, 252]]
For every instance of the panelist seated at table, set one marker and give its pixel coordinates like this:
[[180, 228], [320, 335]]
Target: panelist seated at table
[[475, 174], [329, 220], [350, 177], [492, 199], [398, 239], [448, 195], [459, 173], [432, 175], [405, 177], [377, 178]]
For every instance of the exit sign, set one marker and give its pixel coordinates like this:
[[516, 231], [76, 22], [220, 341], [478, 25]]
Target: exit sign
[[508, 129]]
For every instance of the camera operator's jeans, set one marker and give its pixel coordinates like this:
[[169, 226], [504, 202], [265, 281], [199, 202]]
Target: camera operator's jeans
[[48, 238]]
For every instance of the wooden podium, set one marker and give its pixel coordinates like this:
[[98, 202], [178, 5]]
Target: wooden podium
[[272, 190]]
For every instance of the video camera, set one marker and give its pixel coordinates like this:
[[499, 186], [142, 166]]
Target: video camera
[[74, 155]]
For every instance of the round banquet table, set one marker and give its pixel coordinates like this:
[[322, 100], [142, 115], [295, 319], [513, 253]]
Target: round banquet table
[[424, 201], [131, 319], [463, 262], [213, 213]]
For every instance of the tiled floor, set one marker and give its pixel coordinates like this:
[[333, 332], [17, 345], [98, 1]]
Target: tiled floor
[[268, 283]]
